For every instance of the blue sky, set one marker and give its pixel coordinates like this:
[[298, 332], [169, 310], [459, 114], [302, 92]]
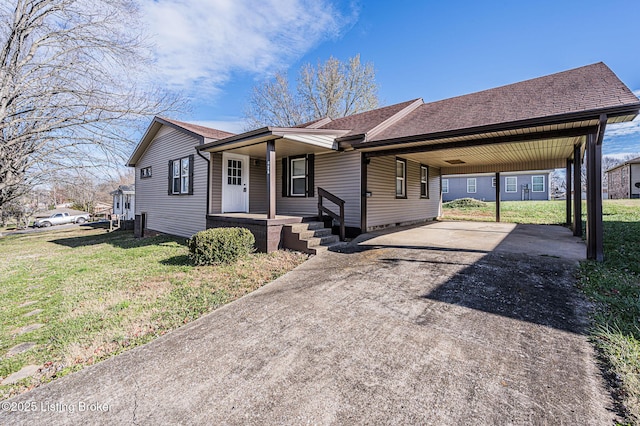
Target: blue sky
[[215, 51]]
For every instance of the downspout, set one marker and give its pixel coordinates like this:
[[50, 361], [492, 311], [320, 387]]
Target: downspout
[[208, 178]]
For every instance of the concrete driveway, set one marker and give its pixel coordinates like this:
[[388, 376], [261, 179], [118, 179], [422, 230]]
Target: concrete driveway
[[413, 327]]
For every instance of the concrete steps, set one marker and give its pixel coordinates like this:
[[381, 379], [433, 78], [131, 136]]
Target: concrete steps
[[309, 237]]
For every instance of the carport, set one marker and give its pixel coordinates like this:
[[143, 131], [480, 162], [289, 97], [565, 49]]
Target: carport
[[549, 122]]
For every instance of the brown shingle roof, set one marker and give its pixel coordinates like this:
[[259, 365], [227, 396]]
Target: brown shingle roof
[[587, 88], [361, 123], [206, 132]]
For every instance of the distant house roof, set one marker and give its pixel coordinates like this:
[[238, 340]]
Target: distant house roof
[[624, 163], [202, 133], [124, 189]]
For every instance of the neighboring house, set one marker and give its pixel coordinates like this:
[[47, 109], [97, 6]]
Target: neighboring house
[[624, 180], [383, 166], [514, 186], [124, 202]]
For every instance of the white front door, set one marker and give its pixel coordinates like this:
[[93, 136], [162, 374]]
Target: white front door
[[235, 183]]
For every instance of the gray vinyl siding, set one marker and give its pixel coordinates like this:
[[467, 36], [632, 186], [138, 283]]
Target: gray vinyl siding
[[486, 192], [181, 215], [338, 173], [257, 185], [384, 209], [216, 183]]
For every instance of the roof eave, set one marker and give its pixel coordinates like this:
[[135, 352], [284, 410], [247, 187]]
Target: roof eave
[[268, 133], [150, 133], [629, 109]]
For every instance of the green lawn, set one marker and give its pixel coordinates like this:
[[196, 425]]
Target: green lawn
[[614, 285], [94, 294]]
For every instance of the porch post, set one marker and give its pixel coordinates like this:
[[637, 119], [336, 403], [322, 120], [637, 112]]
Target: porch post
[[497, 196], [577, 192], [595, 249], [271, 179], [567, 180], [364, 162]]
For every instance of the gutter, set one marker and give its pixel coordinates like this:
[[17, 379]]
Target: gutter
[[208, 176]]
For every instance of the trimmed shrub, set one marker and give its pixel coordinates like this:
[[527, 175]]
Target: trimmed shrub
[[464, 202], [220, 245]]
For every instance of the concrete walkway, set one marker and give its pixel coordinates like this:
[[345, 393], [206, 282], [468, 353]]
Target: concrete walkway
[[413, 327]]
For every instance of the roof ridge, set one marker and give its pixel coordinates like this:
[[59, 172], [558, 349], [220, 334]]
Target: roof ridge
[[394, 119]]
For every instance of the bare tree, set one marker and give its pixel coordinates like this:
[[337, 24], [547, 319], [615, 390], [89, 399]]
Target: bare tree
[[72, 88], [333, 89]]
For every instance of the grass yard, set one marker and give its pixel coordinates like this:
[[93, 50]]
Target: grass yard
[[613, 284], [538, 212], [80, 295]]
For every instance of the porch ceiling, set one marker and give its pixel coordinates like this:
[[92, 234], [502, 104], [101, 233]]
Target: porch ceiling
[[284, 148], [531, 148], [543, 154]]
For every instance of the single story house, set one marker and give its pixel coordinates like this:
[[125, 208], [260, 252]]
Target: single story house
[[623, 180], [124, 199], [514, 186], [374, 169]]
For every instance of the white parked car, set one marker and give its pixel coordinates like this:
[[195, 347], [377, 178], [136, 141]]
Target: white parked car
[[59, 219]]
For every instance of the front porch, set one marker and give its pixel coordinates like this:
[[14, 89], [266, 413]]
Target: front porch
[[268, 232]]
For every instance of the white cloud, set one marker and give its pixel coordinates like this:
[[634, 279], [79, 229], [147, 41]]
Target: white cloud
[[200, 43]]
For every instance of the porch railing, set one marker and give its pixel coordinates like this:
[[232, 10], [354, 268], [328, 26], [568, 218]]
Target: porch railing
[[322, 193]]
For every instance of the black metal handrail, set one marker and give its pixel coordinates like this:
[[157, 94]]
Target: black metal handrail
[[323, 193]]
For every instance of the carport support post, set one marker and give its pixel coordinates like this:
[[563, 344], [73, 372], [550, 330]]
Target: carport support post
[[577, 192], [497, 196], [271, 179], [568, 190], [595, 249]]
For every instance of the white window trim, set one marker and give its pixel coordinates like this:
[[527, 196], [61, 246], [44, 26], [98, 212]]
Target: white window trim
[[184, 175], [475, 185], [493, 182], [506, 184], [445, 186], [302, 176], [424, 180], [176, 176], [402, 179], [533, 186], [181, 176]]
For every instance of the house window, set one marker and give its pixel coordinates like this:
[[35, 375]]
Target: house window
[[234, 172], [537, 183], [181, 176], [445, 186], [511, 184], [401, 178], [493, 182], [297, 176], [471, 185], [424, 182], [145, 172]]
